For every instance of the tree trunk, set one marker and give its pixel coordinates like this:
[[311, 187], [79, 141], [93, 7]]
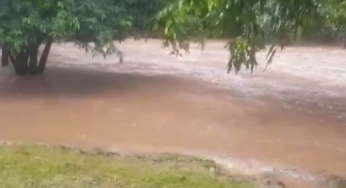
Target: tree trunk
[[33, 60], [20, 63], [44, 56], [5, 57]]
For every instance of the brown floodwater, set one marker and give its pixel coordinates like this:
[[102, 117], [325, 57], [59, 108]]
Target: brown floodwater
[[291, 116]]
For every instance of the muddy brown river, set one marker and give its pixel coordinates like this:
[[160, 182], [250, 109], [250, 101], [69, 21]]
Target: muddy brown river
[[292, 116]]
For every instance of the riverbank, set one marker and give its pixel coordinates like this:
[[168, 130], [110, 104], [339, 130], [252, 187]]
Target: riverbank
[[41, 166]]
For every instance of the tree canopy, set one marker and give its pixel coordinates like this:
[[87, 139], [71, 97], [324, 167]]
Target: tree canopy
[[248, 25], [92, 25]]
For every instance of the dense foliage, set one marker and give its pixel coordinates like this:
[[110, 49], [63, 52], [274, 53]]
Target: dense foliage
[[93, 25], [249, 25]]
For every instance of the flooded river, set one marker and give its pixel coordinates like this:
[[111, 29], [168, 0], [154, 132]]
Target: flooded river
[[292, 116]]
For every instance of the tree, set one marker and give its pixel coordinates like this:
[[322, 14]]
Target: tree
[[143, 12], [249, 25], [25, 25]]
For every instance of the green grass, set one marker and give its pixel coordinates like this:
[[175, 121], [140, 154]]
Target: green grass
[[25, 166]]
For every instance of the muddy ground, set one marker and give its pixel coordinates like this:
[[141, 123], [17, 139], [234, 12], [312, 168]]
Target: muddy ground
[[290, 118]]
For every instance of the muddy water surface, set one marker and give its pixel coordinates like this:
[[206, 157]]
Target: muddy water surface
[[291, 116]]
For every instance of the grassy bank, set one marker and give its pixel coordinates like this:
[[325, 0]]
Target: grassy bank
[[57, 167]]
